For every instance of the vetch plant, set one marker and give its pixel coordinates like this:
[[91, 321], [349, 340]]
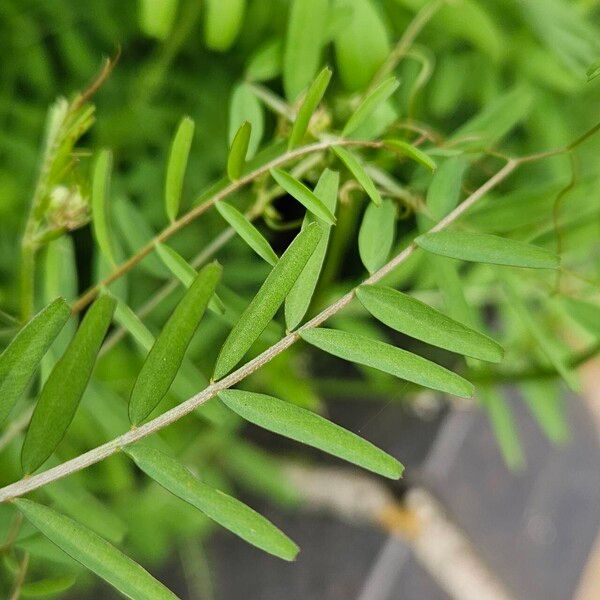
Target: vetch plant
[[348, 218]]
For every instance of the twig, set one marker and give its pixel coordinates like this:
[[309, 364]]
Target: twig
[[138, 433], [195, 212]]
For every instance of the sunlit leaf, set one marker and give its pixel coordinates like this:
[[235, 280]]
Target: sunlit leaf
[[247, 231], [165, 357], [22, 357], [222, 508], [376, 234], [355, 167], [387, 358], [416, 319], [157, 17], [94, 553], [178, 159], [369, 105], [486, 248], [314, 95], [268, 299], [62, 392], [306, 197], [309, 428], [100, 214], [298, 300]]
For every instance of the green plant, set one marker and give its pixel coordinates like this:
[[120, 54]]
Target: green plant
[[468, 204]]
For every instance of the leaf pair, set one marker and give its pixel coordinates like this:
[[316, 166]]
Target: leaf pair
[[165, 357], [268, 299], [62, 392]]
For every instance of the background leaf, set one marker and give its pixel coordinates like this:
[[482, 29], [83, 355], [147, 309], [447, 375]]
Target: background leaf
[[223, 20], [100, 214], [178, 159]]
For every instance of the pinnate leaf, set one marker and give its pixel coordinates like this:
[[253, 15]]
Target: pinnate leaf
[[306, 197], [311, 429], [22, 357], [395, 361], [165, 357], [62, 392], [268, 299], [418, 320], [94, 553], [178, 158], [220, 507], [487, 248]]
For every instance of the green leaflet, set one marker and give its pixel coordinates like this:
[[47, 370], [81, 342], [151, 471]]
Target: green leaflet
[[165, 357], [300, 192], [307, 24], [221, 508], [538, 332], [311, 429], [298, 300], [22, 357], [178, 159], [387, 358], [444, 190], [244, 228], [355, 167], [405, 149], [376, 234], [47, 587], [62, 392], [157, 18], [268, 299], [314, 95], [238, 151], [362, 45], [94, 553], [100, 217], [418, 320], [182, 269], [245, 106], [369, 105], [585, 313], [487, 248], [223, 20]]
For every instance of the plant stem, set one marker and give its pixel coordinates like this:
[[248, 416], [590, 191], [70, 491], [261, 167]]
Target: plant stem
[[195, 212], [136, 434]]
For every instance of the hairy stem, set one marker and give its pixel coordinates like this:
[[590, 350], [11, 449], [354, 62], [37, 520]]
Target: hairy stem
[[171, 416]]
